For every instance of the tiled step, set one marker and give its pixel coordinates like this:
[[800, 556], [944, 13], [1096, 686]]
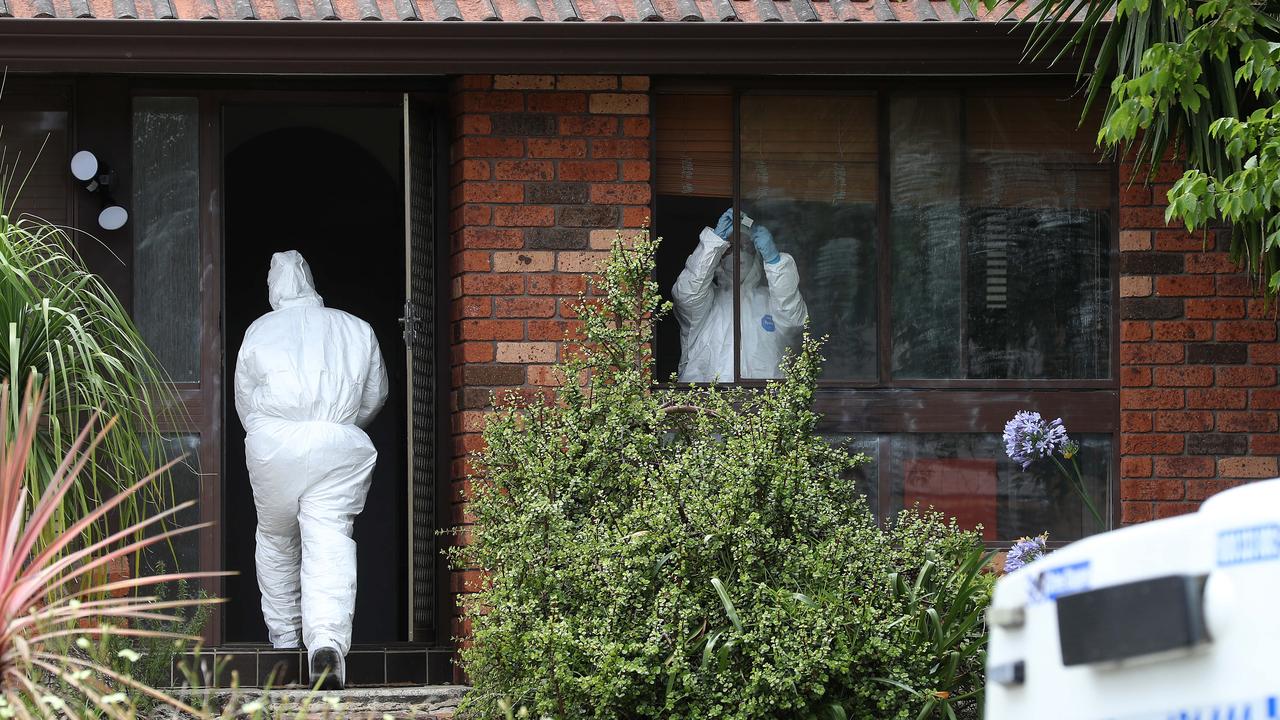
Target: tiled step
[[430, 702], [368, 666]]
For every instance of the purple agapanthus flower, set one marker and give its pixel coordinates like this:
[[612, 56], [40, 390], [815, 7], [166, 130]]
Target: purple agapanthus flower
[[1028, 437], [1025, 550]]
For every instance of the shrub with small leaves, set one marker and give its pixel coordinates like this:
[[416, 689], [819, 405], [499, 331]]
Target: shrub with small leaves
[[655, 552]]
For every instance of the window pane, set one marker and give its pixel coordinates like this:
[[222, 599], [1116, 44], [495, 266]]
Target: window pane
[[968, 476], [183, 553], [33, 152], [166, 232], [694, 187], [865, 477], [1001, 237], [809, 176]]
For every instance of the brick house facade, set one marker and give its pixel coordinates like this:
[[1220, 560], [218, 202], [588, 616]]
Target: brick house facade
[[547, 143]]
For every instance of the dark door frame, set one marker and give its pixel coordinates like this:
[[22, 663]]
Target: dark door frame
[[204, 401]]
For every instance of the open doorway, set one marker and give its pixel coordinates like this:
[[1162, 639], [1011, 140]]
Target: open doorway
[[325, 181]]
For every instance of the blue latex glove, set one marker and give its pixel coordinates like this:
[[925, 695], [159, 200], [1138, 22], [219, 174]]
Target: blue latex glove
[[724, 228], [763, 240]]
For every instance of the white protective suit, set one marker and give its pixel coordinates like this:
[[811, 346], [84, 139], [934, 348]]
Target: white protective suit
[[307, 380], [773, 312]]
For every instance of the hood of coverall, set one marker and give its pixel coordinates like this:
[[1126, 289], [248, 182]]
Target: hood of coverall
[[289, 282]]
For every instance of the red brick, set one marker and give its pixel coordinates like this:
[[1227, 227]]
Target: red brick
[[473, 307], [620, 149], [634, 218], [1201, 490], [473, 169], [557, 148], [551, 284], [589, 125], [1247, 467], [1236, 286], [1150, 399], [558, 102], [1184, 421], [1210, 262], [1152, 489], [1135, 376], [1136, 194], [554, 329], [1183, 330], [524, 307], [1177, 240], [1135, 467], [590, 170], [1170, 509], [489, 192], [636, 127], [1151, 444], [619, 103], [486, 284], [1134, 331], [1264, 354], [636, 170], [472, 352], [1264, 444], [1136, 512], [480, 147], [474, 82], [1214, 308], [620, 194], [1136, 421], [1246, 330], [490, 238], [1183, 467], [526, 352], [1264, 399], [524, 216], [586, 82], [1216, 399], [1259, 309], [1133, 218], [471, 261], [1184, 285], [635, 82], [1246, 376], [1184, 376], [472, 125], [487, 102], [489, 329], [524, 170], [1247, 422], [1150, 353], [474, 215], [524, 82]]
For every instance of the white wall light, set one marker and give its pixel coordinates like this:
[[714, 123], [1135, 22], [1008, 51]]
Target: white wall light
[[96, 175]]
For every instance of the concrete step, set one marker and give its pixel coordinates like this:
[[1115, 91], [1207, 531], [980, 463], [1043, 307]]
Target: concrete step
[[425, 702]]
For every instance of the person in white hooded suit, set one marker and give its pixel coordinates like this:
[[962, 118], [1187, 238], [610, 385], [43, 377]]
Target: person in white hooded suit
[[773, 311], [307, 381]]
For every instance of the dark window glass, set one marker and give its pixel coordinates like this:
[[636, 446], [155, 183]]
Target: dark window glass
[[166, 231], [33, 159], [183, 552], [809, 177], [1001, 237], [865, 477], [968, 476]]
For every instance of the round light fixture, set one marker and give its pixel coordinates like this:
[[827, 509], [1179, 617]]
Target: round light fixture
[[113, 217], [84, 165]]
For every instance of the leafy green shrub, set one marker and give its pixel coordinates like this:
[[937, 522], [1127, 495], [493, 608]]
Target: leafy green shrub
[[664, 553]]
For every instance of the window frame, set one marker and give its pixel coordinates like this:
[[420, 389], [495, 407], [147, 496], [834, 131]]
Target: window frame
[[885, 406]]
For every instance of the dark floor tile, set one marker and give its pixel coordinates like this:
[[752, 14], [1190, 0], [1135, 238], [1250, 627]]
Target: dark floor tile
[[366, 668], [277, 668], [407, 667], [237, 667]]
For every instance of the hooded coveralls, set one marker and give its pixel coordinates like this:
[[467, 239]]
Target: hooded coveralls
[[307, 380], [773, 312]]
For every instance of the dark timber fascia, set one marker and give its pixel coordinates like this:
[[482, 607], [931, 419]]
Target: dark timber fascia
[[355, 48]]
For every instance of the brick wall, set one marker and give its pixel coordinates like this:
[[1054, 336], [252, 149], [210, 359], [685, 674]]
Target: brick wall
[[545, 169], [1197, 363]]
